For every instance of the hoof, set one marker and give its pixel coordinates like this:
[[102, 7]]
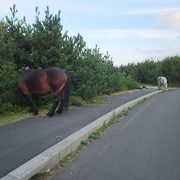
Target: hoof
[[35, 113], [59, 111], [30, 110], [50, 114]]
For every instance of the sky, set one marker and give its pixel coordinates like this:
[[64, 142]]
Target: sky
[[130, 31]]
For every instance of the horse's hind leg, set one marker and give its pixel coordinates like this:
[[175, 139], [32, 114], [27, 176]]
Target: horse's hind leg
[[55, 104], [60, 108], [32, 105]]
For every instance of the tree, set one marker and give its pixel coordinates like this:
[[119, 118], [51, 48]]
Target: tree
[[47, 41]]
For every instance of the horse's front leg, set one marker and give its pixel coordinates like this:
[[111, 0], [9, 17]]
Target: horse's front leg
[[55, 104]]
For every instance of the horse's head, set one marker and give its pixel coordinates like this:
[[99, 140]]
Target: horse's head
[[26, 70]]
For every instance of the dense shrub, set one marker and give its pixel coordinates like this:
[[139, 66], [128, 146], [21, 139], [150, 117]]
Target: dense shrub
[[149, 70], [8, 86], [44, 44]]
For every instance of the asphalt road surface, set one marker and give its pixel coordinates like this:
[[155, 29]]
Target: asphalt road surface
[[144, 146], [23, 140]]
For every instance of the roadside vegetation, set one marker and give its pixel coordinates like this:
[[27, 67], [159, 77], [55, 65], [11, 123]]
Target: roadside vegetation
[[46, 44], [147, 72]]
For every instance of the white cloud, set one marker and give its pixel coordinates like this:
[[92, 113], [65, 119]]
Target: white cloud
[[130, 33], [149, 11], [133, 45], [174, 48], [111, 11], [171, 20], [152, 52]]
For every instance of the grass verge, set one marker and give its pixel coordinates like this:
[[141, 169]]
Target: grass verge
[[12, 117], [20, 115]]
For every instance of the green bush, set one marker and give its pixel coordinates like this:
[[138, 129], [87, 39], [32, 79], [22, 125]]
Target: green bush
[[77, 101], [43, 44], [8, 86]]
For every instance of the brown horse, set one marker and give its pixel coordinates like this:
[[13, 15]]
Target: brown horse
[[34, 83]]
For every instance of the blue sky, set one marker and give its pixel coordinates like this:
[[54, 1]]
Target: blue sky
[[130, 30]]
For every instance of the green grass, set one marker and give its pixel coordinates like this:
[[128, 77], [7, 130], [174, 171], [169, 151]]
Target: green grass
[[11, 117]]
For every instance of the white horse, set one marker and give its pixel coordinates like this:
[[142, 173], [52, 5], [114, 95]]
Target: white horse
[[162, 83]]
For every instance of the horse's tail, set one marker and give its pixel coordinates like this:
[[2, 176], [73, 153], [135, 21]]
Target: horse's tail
[[67, 92]]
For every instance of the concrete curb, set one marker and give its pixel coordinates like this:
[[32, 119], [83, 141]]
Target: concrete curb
[[45, 161]]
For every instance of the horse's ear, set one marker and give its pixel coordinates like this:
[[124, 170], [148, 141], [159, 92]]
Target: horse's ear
[[26, 68]]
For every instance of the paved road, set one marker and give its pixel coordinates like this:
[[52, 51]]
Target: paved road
[[144, 146], [23, 140]]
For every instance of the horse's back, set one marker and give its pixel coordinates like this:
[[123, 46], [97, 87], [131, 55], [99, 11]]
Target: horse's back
[[162, 79], [56, 73], [42, 81], [56, 76]]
